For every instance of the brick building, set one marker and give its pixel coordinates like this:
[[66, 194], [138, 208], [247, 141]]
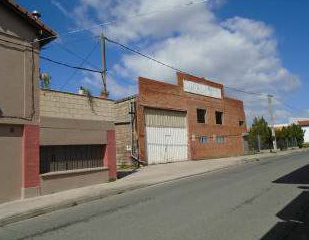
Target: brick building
[[190, 120]]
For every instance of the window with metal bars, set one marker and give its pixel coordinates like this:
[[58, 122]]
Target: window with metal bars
[[62, 158]]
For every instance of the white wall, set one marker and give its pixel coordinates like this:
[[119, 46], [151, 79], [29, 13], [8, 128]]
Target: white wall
[[306, 137]]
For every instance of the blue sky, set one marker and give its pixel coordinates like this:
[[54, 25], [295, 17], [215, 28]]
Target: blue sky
[[255, 45]]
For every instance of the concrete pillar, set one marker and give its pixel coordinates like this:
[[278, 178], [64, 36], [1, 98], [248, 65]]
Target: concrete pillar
[[30, 161], [110, 155]]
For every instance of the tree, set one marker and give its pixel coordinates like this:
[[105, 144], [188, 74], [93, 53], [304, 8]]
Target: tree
[[297, 133], [260, 129], [290, 136]]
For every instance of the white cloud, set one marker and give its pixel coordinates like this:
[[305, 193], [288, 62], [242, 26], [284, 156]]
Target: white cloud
[[117, 91], [238, 52]]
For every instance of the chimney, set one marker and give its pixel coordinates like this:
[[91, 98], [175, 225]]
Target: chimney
[[36, 14]]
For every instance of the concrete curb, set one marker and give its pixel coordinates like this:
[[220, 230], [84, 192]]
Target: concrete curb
[[34, 212]]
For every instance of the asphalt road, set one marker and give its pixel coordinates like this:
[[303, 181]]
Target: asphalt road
[[267, 199]]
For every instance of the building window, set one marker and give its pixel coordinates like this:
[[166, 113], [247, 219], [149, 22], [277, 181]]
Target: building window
[[63, 158], [220, 139], [219, 116], [201, 115], [241, 123], [202, 139]]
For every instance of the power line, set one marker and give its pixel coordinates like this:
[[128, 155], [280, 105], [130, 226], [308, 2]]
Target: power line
[[143, 55], [70, 66], [174, 68], [189, 4], [291, 107], [76, 55], [80, 65]]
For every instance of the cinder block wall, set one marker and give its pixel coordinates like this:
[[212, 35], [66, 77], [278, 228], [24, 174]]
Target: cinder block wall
[[123, 131], [75, 106]]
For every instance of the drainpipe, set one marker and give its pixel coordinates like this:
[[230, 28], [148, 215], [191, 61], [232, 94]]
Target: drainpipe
[[132, 121]]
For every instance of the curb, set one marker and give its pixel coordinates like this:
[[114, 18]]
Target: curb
[[32, 213]]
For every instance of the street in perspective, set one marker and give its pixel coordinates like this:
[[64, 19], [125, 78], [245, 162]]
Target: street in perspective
[[153, 120]]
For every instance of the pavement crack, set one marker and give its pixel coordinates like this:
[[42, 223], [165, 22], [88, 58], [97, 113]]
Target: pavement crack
[[85, 220], [250, 200]]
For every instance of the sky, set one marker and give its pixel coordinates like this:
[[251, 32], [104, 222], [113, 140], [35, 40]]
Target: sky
[[258, 46]]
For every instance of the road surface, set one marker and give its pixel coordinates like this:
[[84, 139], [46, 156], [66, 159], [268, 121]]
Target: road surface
[[266, 199]]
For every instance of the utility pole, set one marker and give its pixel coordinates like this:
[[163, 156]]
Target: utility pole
[[259, 142], [272, 123], [104, 92]]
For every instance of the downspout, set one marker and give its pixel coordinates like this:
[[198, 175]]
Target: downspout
[[134, 157]]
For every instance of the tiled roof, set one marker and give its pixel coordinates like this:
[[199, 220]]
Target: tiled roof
[[47, 33], [303, 123]]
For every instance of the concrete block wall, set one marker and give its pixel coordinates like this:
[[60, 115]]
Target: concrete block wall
[[123, 139], [122, 110], [123, 131], [75, 106]]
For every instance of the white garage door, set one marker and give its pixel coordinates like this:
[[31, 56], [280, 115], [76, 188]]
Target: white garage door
[[166, 136]]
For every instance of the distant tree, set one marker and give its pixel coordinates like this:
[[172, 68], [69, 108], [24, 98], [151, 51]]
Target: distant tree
[[297, 133], [291, 135], [260, 128]]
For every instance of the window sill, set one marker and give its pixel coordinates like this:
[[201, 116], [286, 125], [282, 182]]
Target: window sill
[[67, 172]]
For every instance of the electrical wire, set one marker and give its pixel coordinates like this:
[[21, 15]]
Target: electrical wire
[[80, 65], [76, 55], [174, 68], [291, 107], [71, 66], [189, 4]]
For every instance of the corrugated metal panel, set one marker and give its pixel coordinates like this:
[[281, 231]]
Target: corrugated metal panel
[[165, 118], [166, 136], [166, 144]]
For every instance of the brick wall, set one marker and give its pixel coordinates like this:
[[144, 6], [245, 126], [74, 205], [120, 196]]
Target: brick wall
[[168, 96], [74, 106]]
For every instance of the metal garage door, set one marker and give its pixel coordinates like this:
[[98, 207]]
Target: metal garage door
[[166, 136]]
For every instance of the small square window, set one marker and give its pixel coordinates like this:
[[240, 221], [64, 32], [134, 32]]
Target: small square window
[[202, 139], [241, 123], [201, 115], [220, 139], [219, 116]]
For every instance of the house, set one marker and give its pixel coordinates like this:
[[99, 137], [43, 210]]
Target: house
[[190, 120], [49, 141], [21, 37], [305, 126], [304, 123]]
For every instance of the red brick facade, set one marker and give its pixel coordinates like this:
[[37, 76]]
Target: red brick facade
[[161, 95]]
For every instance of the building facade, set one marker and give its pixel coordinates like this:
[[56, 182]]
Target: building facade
[[49, 141], [21, 37], [190, 120]]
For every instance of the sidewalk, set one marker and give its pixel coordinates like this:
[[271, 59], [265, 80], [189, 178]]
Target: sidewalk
[[146, 176]]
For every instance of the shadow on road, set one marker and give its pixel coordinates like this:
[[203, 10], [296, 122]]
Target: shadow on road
[[294, 218]]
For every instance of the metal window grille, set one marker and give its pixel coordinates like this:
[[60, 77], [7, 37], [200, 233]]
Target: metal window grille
[[220, 139], [62, 158], [203, 139]]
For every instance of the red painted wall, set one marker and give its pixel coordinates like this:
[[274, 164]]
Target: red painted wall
[[30, 159], [110, 154]]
